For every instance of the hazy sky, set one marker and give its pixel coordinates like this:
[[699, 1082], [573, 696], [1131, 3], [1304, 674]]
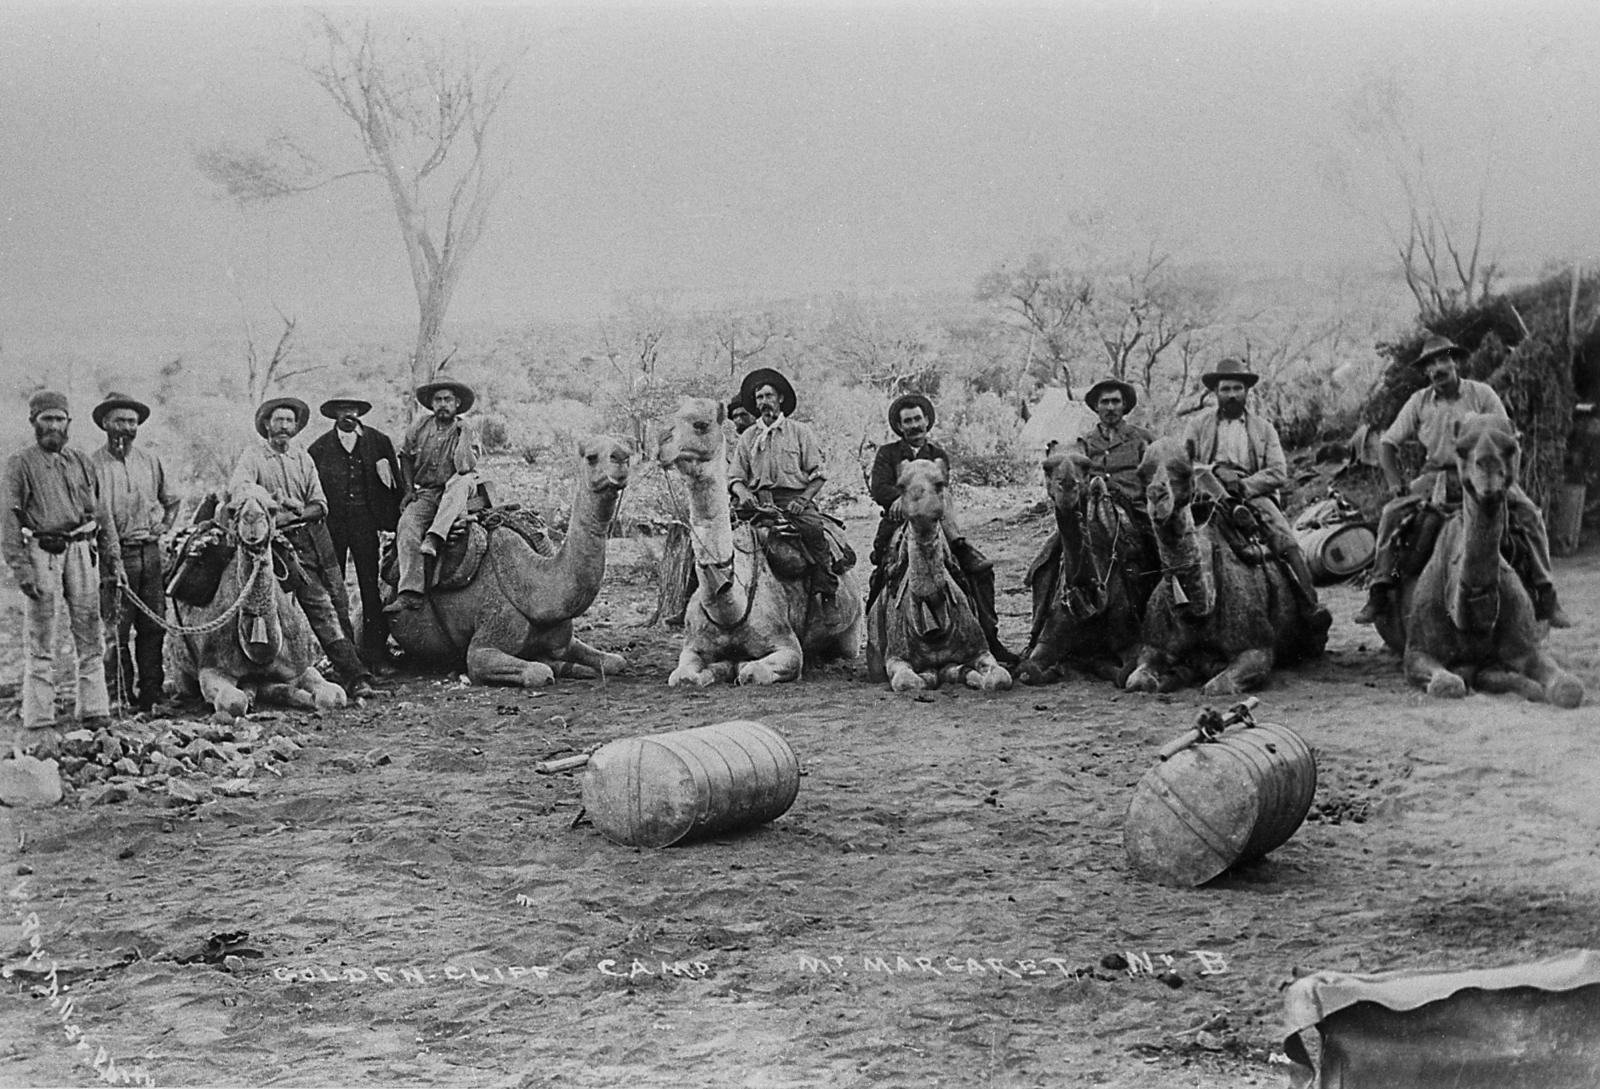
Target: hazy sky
[[739, 150]]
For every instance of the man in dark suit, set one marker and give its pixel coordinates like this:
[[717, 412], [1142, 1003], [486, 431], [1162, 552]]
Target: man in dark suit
[[361, 477]]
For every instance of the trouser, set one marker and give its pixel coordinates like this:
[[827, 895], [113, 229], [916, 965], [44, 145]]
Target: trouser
[[1285, 545], [355, 536], [812, 526], [431, 510], [134, 676], [315, 601], [1523, 517], [313, 547], [73, 577]]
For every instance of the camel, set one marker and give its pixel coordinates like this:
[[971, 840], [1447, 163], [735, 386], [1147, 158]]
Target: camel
[[1212, 613], [1466, 619], [512, 623], [269, 651], [1091, 581], [745, 622], [921, 628]]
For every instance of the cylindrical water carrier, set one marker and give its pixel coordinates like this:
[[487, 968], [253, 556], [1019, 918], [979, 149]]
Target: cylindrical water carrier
[[661, 789], [1339, 550], [1223, 793]]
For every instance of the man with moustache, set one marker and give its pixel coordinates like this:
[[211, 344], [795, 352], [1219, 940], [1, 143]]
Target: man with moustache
[[911, 418], [360, 477], [1432, 415], [301, 544], [138, 495], [437, 461], [59, 541], [1245, 453], [779, 463], [1114, 446]]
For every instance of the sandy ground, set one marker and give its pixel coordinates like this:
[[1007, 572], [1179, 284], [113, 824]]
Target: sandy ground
[[939, 907]]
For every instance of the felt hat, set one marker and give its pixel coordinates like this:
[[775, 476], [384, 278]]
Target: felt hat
[[44, 400], [462, 391], [766, 376], [1233, 369], [330, 407], [1436, 346], [1130, 396], [302, 413], [909, 400], [119, 400]]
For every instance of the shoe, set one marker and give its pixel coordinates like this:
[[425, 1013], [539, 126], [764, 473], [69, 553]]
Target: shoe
[[360, 690], [96, 722], [1547, 607], [1007, 658], [1377, 604], [431, 544]]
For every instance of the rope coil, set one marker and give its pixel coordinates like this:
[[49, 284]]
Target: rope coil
[[262, 561]]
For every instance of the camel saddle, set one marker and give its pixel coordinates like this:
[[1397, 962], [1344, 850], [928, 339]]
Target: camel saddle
[[1241, 527], [786, 551], [195, 561], [468, 542]]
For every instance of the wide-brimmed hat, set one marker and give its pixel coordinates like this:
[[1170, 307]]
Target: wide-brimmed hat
[[766, 376], [302, 413], [330, 407], [1232, 369], [1436, 346], [119, 400], [1130, 396], [909, 400], [462, 391]]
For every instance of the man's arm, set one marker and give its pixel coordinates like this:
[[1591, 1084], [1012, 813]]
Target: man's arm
[[740, 484], [1273, 476], [811, 463], [14, 494], [884, 484], [1389, 461], [1404, 427], [164, 495]]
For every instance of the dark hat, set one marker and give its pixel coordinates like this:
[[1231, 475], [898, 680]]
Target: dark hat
[[766, 376], [462, 391], [44, 400], [1436, 346], [302, 413], [734, 405], [1130, 396], [1231, 368], [909, 400], [119, 400], [330, 407]]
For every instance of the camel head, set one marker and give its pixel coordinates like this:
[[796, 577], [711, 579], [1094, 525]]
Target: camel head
[[1068, 478], [248, 514], [1489, 456], [922, 487], [606, 462], [1167, 472], [694, 436]]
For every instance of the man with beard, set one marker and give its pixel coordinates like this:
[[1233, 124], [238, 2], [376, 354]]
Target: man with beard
[[779, 463], [360, 477], [1247, 457], [302, 545], [1432, 416], [911, 417], [139, 498], [437, 461], [56, 535]]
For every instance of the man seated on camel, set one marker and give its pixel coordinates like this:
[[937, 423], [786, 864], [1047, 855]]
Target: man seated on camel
[[438, 459], [1247, 458], [1115, 447], [779, 464], [911, 417], [1432, 416]]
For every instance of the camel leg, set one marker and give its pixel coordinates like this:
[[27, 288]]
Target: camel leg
[[286, 694], [1148, 675], [691, 669], [782, 664], [580, 656], [1426, 670], [1247, 671], [488, 663], [986, 674], [325, 695], [219, 690], [1554, 683], [1040, 666], [1499, 679], [904, 678]]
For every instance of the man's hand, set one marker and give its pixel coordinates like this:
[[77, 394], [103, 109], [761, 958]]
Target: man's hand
[[795, 506], [1231, 479]]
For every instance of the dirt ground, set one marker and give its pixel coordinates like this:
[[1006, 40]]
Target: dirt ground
[[947, 902]]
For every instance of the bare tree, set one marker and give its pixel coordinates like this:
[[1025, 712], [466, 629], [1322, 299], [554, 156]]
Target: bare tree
[[422, 114], [1047, 298], [260, 375]]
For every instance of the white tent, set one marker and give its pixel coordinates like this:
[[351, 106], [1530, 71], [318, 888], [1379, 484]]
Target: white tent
[[1056, 417]]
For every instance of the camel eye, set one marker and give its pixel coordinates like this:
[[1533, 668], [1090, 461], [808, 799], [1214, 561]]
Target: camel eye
[[701, 427], [594, 459]]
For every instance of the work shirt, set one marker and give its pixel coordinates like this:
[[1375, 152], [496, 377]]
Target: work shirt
[[136, 493], [50, 493], [1116, 454], [785, 455], [289, 475], [1260, 458], [1433, 420], [438, 453], [884, 483]]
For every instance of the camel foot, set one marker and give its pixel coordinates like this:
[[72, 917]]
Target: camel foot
[[536, 675], [1143, 679], [994, 679], [1223, 684], [1566, 692], [758, 673], [612, 665], [907, 680], [224, 717], [1446, 686], [701, 678], [1030, 672]]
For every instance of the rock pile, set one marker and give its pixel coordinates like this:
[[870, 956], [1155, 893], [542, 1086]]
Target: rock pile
[[187, 761]]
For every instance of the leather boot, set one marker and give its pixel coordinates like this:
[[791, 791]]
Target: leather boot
[[1377, 604], [355, 677], [1299, 575], [969, 558], [1546, 607]]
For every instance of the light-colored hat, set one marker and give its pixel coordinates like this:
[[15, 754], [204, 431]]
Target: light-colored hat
[[302, 413], [1233, 370]]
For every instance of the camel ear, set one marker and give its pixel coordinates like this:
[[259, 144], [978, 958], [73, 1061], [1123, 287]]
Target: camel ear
[[722, 412], [1188, 448], [1053, 462]]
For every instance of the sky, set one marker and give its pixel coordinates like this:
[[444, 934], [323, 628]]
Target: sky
[[725, 153]]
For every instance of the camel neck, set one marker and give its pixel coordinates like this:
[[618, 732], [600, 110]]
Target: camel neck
[[1186, 560]]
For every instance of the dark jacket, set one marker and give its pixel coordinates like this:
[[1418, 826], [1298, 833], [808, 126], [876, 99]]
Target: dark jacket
[[352, 478]]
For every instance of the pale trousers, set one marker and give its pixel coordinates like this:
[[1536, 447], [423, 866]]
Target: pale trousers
[[72, 576], [432, 510]]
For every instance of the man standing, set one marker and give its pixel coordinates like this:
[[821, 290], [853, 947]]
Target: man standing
[[437, 461], [1247, 457], [290, 475], [361, 478], [142, 506], [1432, 416], [742, 417], [911, 418], [55, 535], [779, 464]]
